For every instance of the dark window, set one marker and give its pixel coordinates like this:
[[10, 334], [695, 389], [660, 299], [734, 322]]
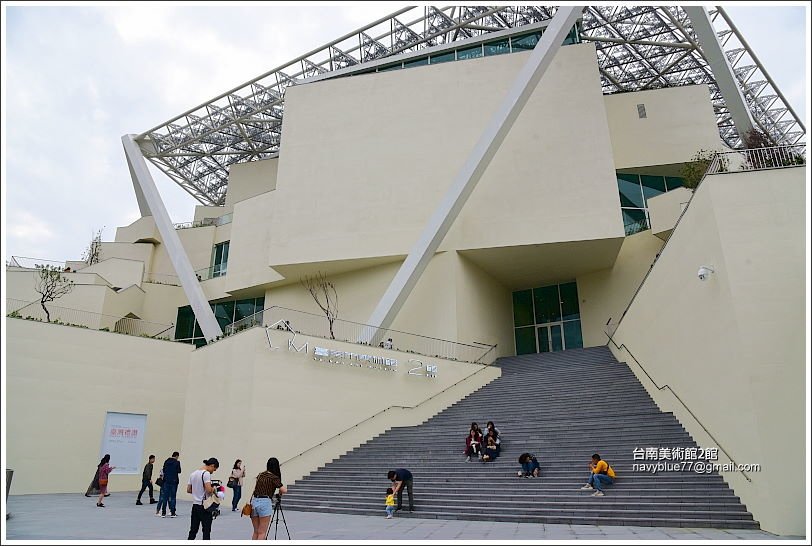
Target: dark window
[[526, 42], [641, 111], [525, 340], [497, 48], [522, 308], [469, 53], [547, 304]]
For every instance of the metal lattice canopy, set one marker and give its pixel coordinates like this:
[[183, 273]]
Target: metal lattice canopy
[[638, 47]]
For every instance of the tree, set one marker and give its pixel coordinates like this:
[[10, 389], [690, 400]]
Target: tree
[[92, 254], [693, 171], [51, 284], [324, 293]]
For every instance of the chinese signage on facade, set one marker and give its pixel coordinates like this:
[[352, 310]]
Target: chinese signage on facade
[[124, 440]]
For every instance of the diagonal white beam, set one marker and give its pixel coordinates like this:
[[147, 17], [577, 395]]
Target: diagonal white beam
[[720, 66], [146, 189], [473, 168]]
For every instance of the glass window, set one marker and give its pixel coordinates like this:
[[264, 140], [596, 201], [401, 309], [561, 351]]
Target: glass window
[[224, 313], [525, 341], [634, 220], [497, 48], [185, 323], [220, 259], [416, 62], [569, 301], [629, 187], [522, 308], [544, 339], [547, 304], [391, 67], [673, 182], [469, 53], [652, 186], [442, 58], [572, 37], [526, 42], [572, 334], [245, 308], [555, 337]]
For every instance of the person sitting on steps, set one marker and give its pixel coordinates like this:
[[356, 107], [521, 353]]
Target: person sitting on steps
[[473, 444], [601, 473], [491, 452], [530, 466]]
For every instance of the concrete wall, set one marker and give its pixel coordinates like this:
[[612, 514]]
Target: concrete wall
[[679, 122], [733, 347], [664, 210], [246, 180], [120, 273], [281, 403], [61, 381], [329, 207], [235, 398], [605, 294]]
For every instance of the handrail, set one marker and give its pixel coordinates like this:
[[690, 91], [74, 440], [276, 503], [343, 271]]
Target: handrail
[[666, 386], [758, 159], [81, 315], [256, 319], [384, 411], [14, 262]]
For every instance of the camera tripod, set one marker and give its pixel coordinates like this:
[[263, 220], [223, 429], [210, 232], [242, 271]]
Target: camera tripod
[[277, 512]]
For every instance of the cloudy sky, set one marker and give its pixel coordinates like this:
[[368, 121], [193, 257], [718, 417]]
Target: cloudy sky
[[76, 78]]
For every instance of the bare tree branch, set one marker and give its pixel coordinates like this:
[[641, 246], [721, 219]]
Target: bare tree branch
[[50, 285], [323, 292]]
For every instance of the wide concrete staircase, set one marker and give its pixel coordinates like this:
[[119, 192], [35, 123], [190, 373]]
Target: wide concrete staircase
[[560, 406]]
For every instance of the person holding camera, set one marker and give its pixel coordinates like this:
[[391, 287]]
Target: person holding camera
[[600, 474], [200, 487], [268, 483]]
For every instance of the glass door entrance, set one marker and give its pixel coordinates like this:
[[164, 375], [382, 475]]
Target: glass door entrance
[[547, 319], [549, 338]]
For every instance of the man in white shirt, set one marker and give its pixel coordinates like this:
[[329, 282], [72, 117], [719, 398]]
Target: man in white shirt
[[200, 487]]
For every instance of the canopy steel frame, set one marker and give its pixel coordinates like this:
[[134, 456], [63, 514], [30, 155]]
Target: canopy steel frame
[[638, 47]]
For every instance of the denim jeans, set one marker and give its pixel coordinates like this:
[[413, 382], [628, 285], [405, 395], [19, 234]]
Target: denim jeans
[[596, 480], [390, 510], [237, 496], [161, 506], [168, 496], [529, 467]]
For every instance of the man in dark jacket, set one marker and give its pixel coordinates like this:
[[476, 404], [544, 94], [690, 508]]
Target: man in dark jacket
[[146, 481], [169, 489], [402, 478]]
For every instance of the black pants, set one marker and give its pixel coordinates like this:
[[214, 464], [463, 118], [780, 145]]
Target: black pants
[[408, 485], [199, 515], [144, 485]]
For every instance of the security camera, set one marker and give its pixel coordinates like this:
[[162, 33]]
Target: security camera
[[704, 272]]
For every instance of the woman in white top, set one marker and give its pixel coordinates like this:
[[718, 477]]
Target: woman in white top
[[237, 473]]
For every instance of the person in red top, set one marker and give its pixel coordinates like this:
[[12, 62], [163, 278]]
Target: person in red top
[[601, 473], [473, 444], [104, 472]]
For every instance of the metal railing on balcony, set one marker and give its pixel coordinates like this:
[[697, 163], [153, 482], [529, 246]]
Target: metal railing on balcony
[[314, 325], [32, 310], [219, 221], [757, 159], [31, 263], [203, 274]]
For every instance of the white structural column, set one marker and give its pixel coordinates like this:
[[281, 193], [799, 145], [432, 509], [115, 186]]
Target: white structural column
[[142, 180], [721, 68], [471, 172]]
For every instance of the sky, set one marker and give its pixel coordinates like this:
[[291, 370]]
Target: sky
[[76, 78]]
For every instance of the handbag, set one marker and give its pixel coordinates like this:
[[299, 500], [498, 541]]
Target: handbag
[[247, 509], [102, 482], [160, 481], [232, 481], [211, 504]]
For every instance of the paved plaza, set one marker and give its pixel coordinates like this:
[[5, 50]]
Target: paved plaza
[[75, 517]]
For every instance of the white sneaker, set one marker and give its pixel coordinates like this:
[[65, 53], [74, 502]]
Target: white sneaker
[[468, 459], [588, 487], [597, 494], [389, 516], [519, 474]]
